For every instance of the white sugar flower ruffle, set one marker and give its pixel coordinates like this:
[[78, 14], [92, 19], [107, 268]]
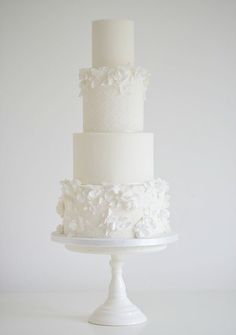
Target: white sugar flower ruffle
[[106, 210], [60, 207], [120, 78]]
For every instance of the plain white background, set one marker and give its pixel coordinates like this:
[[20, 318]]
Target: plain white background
[[189, 47]]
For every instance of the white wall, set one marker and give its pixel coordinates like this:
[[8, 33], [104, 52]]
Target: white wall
[[189, 47]]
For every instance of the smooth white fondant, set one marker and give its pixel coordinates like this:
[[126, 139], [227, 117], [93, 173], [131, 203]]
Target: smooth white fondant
[[114, 211], [115, 158], [112, 42]]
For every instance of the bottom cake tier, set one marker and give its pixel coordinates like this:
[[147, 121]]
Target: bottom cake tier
[[114, 211]]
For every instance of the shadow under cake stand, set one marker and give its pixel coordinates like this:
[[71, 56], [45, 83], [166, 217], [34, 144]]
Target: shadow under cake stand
[[117, 310]]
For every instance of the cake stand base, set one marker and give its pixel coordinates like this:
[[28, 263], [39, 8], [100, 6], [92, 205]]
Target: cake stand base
[[117, 310]]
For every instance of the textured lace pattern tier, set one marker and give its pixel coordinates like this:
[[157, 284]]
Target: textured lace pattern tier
[[113, 98]]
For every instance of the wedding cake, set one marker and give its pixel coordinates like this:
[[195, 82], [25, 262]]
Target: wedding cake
[[113, 193]]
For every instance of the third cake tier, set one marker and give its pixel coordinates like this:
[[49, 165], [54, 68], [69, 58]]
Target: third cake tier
[[115, 158]]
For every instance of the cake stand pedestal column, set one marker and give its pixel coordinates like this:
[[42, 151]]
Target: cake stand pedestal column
[[117, 310]]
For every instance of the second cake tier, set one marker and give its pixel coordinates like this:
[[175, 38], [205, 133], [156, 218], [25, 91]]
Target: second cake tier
[[113, 98], [117, 158]]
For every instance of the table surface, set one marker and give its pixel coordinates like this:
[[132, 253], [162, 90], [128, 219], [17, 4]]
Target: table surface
[[168, 312]]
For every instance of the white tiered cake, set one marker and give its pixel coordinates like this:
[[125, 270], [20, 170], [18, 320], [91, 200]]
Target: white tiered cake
[[113, 193]]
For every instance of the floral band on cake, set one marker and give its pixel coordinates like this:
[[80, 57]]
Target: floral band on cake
[[120, 78], [129, 210]]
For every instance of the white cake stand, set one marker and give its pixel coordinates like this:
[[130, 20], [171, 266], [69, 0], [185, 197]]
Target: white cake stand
[[117, 310]]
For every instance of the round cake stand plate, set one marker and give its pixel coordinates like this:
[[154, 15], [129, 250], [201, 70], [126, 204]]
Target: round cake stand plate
[[117, 310]]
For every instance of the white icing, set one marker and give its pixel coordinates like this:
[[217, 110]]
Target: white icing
[[124, 211], [112, 42], [115, 158], [104, 110], [120, 78]]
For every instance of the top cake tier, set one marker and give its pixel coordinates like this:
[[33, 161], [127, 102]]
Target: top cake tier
[[112, 43], [113, 89]]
